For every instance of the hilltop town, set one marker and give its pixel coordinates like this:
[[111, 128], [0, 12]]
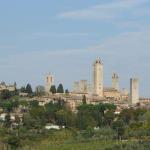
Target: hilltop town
[[90, 111], [92, 93]]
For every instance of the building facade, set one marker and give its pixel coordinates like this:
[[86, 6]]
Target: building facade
[[10, 88], [112, 93], [76, 87]]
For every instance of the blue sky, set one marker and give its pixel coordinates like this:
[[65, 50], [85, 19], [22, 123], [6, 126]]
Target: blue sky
[[64, 37]]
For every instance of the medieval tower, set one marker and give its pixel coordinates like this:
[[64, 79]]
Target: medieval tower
[[115, 81], [134, 91], [49, 82], [98, 78]]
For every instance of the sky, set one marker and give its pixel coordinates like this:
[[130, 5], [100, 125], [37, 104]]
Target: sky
[[65, 37]]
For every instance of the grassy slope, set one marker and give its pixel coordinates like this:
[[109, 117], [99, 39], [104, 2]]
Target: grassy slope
[[63, 140]]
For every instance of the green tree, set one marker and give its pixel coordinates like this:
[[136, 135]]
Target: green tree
[[146, 118], [109, 117], [60, 89], [23, 89], [7, 105], [53, 89], [34, 103], [66, 91], [13, 141], [7, 121], [85, 121], [127, 115], [119, 127], [29, 89], [65, 117], [5, 94], [84, 99]]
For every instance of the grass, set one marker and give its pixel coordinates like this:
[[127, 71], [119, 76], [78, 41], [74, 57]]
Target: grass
[[94, 145], [64, 140]]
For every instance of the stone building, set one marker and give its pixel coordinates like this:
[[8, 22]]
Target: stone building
[[84, 86], [80, 86], [49, 82], [10, 88], [134, 91], [98, 78], [124, 94], [76, 87], [115, 81], [112, 93]]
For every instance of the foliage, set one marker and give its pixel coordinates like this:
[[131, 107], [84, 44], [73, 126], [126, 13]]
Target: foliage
[[60, 89], [23, 89], [13, 141], [84, 100], [29, 89], [66, 91], [9, 105], [34, 103], [119, 127], [5, 94], [53, 89], [144, 145]]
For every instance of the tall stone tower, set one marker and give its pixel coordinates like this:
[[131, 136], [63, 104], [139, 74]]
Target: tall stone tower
[[115, 81], [84, 86], [49, 82], [134, 91], [98, 78], [76, 87]]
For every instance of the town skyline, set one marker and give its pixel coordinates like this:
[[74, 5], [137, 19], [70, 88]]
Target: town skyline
[[59, 40]]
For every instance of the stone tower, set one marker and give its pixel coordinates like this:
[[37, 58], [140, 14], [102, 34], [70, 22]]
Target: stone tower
[[98, 78], [134, 91], [76, 87], [49, 82], [84, 86], [115, 81]]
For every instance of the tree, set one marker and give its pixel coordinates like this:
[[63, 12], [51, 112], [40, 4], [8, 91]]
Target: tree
[[66, 91], [53, 89], [87, 116], [29, 89], [34, 103], [84, 99], [65, 117], [109, 117], [146, 118], [5, 94], [7, 122], [13, 141], [60, 89], [23, 89], [118, 126], [127, 115], [7, 105], [85, 121]]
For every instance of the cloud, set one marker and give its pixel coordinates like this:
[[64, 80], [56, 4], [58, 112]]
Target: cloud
[[40, 35], [103, 11]]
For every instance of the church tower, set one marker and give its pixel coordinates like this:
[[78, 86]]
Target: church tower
[[98, 78], [49, 82]]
